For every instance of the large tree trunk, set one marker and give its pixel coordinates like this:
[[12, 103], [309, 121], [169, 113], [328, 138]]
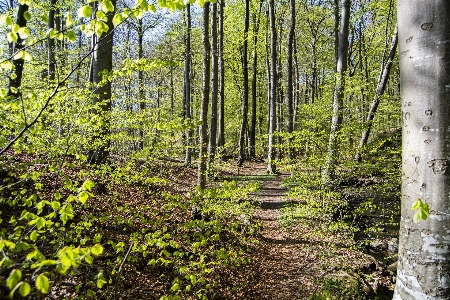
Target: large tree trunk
[[16, 81], [187, 86], [252, 130], [289, 77], [51, 43], [384, 77], [102, 61], [221, 134], [424, 251], [245, 87], [203, 128], [273, 89], [215, 85], [341, 67]]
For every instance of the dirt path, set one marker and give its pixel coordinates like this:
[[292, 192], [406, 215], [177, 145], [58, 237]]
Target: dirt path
[[289, 263]]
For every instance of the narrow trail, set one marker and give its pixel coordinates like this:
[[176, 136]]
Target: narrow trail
[[283, 268], [292, 263]]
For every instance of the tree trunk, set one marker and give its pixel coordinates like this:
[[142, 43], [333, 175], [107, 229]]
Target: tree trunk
[[221, 134], [203, 128], [16, 81], [273, 89], [187, 86], [341, 67], [384, 77], [423, 259], [215, 85], [289, 77], [102, 61], [141, 91], [51, 43], [245, 87], [252, 131]]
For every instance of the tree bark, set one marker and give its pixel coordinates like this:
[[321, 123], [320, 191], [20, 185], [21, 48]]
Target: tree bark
[[289, 77], [16, 80], [203, 128], [252, 130], [187, 86], [424, 250], [141, 91], [51, 43], [102, 61], [271, 168], [242, 153], [341, 67], [215, 85], [382, 83], [221, 134]]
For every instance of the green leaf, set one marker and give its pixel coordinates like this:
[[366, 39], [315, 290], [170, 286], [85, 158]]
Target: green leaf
[[24, 289], [69, 20], [107, 6], [101, 282], [5, 19], [34, 236], [40, 223], [15, 28], [88, 259], [97, 249], [14, 278], [27, 15], [84, 11], [71, 36], [117, 19], [12, 37], [32, 254], [42, 283], [101, 16], [417, 204], [83, 197]]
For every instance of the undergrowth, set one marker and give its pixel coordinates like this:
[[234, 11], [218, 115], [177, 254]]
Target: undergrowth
[[128, 229]]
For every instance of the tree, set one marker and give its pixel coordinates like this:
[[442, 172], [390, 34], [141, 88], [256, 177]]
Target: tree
[[382, 83], [215, 85], [187, 85], [341, 68], [203, 127], [424, 249], [15, 79], [101, 64], [243, 130], [221, 134], [252, 129], [289, 74], [273, 89]]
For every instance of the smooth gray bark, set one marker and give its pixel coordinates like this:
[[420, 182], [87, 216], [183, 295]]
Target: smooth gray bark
[[289, 76], [102, 61], [271, 168], [215, 86], [51, 61], [424, 251], [187, 86], [379, 92], [341, 68], [245, 93], [203, 128], [252, 129]]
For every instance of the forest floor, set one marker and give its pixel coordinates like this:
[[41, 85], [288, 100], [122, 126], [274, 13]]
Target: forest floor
[[304, 261], [280, 260]]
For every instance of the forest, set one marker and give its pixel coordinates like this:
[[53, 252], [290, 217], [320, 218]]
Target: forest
[[239, 149]]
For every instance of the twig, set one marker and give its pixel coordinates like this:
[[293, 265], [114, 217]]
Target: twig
[[120, 269]]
